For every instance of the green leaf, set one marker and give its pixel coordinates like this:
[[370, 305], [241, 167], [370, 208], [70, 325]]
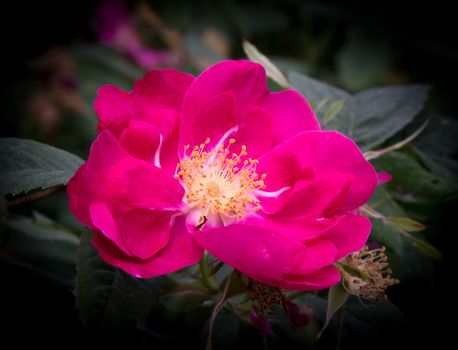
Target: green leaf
[[390, 229], [381, 323], [438, 148], [369, 117], [184, 299], [108, 298], [337, 295], [332, 111], [381, 112], [26, 165], [41, 227], [322, 103], [387, 235], [424, 247], [317, 91], [412, 184], [369, 155], [40, 245], [271, 70], [405, 223]]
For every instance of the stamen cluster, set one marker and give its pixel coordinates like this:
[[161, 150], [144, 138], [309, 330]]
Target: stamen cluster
[[367, 274], [218, 181]]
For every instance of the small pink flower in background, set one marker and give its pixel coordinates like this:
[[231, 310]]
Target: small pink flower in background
[[220, 163], [383, 177], [115, 28]]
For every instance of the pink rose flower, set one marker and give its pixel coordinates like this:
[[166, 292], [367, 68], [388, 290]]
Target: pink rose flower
[[220, 163]]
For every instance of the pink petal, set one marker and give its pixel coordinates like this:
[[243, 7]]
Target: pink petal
[[139, 233], [166, 122], [290, 114], [104, 154], [264, 255], [160, 89], [181, 251], [251, 249], [320, 279], [141, 140], [145, 231], [322, 151], [114, 108], [88, 183], [246, 79], [137, 184], [311, 256], [314, 197], [255, 132], [103, 220], [299, 228], [80, 195], [212, 121], [349, 235]]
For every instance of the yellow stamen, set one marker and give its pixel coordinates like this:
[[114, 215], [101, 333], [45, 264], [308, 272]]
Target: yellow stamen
[[220, 182]]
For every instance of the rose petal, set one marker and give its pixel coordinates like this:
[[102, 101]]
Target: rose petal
[[160, 89], [251, 249], [319, 196], [141, 140], [212, 121], [246, 79], [138, 233], [144, 231], [135, 183], [181, 251], [88, 183], [320, 279], [114, 108], [80, 195], [349, 235], [254, 131], [290, 114], [321, 151], [103, 220]]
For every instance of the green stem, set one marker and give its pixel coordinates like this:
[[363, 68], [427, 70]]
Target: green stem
[[216, 310], [204, 275], [216, 268]]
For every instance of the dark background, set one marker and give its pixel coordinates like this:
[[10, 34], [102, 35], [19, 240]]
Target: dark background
[[421, 37]]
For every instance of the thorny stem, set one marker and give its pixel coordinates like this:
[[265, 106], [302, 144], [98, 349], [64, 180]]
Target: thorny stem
[[216, 310]]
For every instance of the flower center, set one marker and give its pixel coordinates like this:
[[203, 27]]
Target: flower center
[[219, 182]]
